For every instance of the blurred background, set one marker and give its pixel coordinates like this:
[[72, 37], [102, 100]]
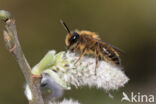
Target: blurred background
[[127, 24]]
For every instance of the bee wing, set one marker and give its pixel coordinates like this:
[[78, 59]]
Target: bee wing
[[104, 43], [114, 47], [117, 49], [110, 53]]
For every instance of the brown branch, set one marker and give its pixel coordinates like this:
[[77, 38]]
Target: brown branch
[[13, 45]]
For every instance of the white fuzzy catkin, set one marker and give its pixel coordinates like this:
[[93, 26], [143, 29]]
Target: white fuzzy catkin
[[108, 76], [62, 69], [65, 101]]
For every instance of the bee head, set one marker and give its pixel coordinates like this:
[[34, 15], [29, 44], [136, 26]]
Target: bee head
[[71, 37]]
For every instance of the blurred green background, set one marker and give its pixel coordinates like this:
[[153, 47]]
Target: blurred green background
[[127, 24]]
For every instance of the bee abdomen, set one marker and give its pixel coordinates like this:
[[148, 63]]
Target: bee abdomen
[[116, 60], [111, 56]]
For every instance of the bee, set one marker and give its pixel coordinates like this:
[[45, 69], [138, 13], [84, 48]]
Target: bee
[[89, 43]]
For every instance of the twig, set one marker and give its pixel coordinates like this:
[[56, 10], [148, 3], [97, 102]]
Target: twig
[[13, 45]]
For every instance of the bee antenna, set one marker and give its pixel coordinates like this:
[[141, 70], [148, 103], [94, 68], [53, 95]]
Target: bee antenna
[[65, 26]]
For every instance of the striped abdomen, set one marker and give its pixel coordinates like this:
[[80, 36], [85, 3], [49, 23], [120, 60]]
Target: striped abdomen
[[109, 54]]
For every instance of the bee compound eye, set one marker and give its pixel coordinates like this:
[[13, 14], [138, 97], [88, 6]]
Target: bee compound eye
[[75, 34], [74, 38]]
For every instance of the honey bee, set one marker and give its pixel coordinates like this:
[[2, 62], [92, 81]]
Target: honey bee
[[89, 43]]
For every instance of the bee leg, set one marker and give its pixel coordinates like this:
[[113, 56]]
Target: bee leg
[[96, 64], [82, 53], [97, 60], [76, 47]]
